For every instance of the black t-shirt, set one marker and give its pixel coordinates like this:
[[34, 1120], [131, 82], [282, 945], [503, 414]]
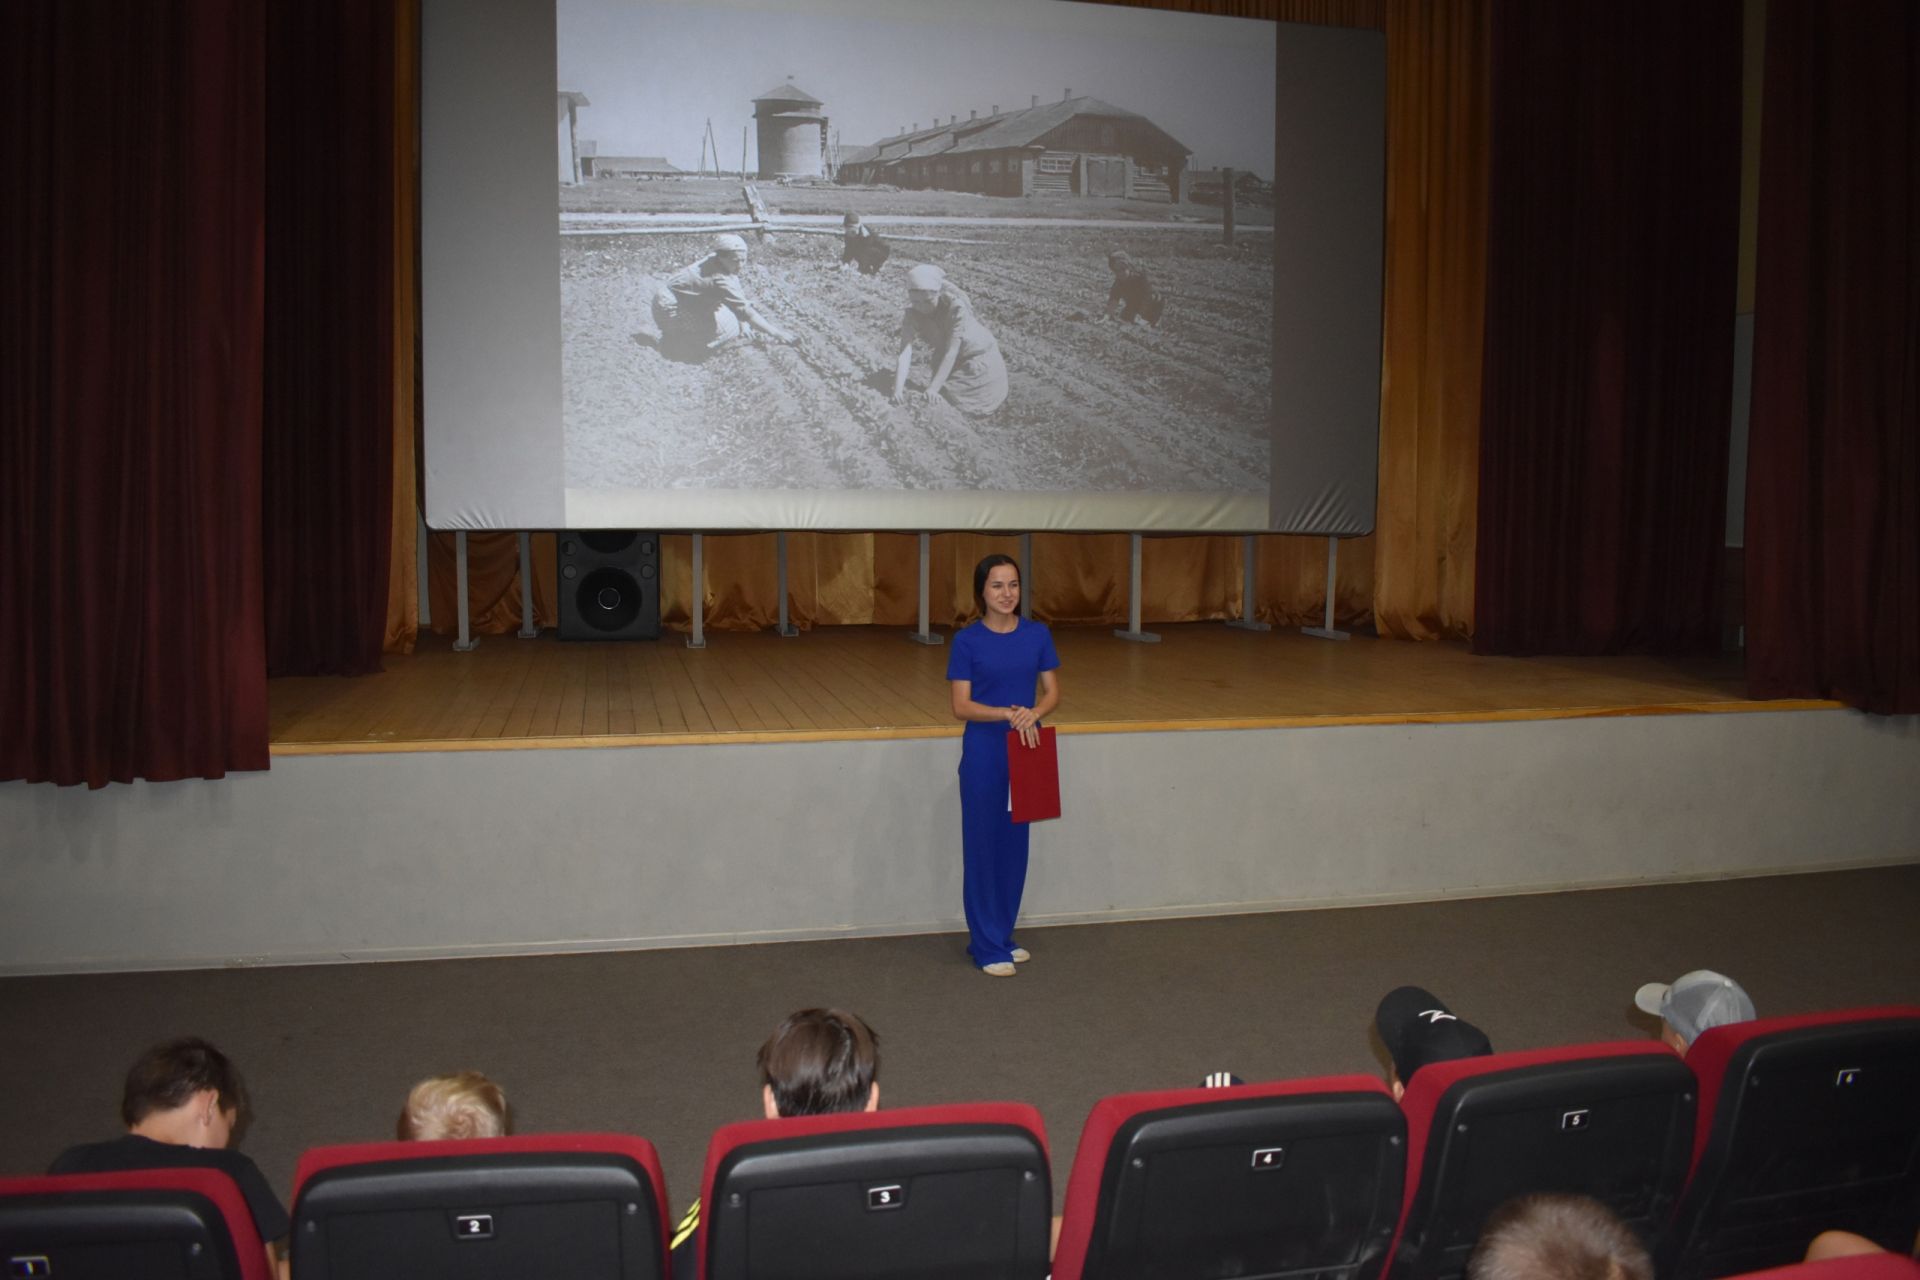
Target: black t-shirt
[[131, 1151]]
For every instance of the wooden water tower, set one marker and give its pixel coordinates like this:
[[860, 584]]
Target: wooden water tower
[[792, 132]]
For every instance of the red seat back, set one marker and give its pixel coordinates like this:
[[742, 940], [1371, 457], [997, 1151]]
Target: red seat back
[[1296, 1176], [168, 1224], [1613, 1121], [956, 1191], [1807, 1123], [1869, 1266], [589, 1206]]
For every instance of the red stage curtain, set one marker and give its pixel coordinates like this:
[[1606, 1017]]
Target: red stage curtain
[[328, 448], [1606, 397], [131, 321], [1833, 478]]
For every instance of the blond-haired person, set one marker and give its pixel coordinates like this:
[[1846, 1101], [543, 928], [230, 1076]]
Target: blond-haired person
[[463, 1105]]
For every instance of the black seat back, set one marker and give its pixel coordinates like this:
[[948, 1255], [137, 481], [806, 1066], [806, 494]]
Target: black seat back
[[1611, 1121], [1291, 1179], [956, 1192], [163, 1224], [1808, 1123], [587, 1207]]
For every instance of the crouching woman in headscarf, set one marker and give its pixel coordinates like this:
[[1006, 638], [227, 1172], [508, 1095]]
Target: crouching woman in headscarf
[[701, 307], [967, 367]]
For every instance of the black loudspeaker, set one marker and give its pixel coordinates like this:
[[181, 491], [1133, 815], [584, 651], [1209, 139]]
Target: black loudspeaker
[[609, 585]]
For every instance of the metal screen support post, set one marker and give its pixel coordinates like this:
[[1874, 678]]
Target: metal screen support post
[[785, 628], [697, 599], [1249, 559], [466, 643], [529, 629], [1026, 576], [1133, 631], [422, 584], [925, 635], [1328, 631]]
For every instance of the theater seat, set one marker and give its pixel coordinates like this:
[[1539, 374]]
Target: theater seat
[[1872, 1266], [1807, 1123], [1612, 1121], [587, 1206], [1300, 1177], [955, 1192], [158, 1224]]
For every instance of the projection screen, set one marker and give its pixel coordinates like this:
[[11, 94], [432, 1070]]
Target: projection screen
[[669, 256]]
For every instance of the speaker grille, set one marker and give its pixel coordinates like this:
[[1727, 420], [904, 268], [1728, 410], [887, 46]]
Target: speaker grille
[[609, 585], [609, 599]]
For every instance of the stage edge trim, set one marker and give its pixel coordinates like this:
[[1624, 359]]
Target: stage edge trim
[[909, 732]]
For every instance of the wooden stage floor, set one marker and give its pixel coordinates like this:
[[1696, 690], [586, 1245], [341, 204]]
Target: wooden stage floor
[[872, 682]]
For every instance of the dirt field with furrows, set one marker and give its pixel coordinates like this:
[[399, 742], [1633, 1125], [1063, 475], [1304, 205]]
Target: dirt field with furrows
[[1093, 405]]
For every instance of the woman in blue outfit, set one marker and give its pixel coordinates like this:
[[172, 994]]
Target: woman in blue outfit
[[1004, 675]]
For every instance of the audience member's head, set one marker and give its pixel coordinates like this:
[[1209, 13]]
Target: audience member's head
[[1418, 1031], [184, 1092], [463, 1105], [1557, 1237], [820, 1061], [1692, 1003]]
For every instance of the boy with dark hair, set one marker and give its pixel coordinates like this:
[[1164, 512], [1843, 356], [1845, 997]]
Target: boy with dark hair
[[182, 1101], [1557, 1237], [817, 1062]]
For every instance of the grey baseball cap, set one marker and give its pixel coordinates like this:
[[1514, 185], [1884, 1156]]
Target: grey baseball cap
[[1696, 1002]]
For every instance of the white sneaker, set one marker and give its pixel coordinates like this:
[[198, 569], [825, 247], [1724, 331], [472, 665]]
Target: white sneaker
[[1021, 955], [999, 969]]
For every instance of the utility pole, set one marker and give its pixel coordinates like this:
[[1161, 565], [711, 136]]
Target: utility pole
[[1226, 203]]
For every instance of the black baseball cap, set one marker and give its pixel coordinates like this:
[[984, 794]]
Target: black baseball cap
[[1418, 1030]]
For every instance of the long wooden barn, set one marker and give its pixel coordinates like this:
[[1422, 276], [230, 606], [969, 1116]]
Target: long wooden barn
[[1076, 146]]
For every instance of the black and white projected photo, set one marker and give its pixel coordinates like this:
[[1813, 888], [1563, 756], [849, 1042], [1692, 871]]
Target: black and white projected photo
[[902, 246]]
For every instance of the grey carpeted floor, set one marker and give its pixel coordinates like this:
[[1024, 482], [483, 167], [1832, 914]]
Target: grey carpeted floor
[[661, 1043]]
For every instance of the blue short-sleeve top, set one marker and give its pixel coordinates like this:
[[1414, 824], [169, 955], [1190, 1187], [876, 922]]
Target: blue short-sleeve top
[[1003, 667]]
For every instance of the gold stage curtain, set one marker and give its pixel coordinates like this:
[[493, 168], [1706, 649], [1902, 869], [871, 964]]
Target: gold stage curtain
[[863, 579], [872, 579], [1437, 59], [493, 582], [403, 574]]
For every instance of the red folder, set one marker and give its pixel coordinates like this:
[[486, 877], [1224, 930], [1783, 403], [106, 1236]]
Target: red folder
[[1035, 776]]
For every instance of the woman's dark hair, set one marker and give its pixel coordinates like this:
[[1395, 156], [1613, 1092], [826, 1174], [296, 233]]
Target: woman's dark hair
[[820, 1061], [980, 572], [168, 1075]]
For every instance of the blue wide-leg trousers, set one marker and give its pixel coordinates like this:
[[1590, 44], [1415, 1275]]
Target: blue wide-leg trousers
[[995, 847]]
